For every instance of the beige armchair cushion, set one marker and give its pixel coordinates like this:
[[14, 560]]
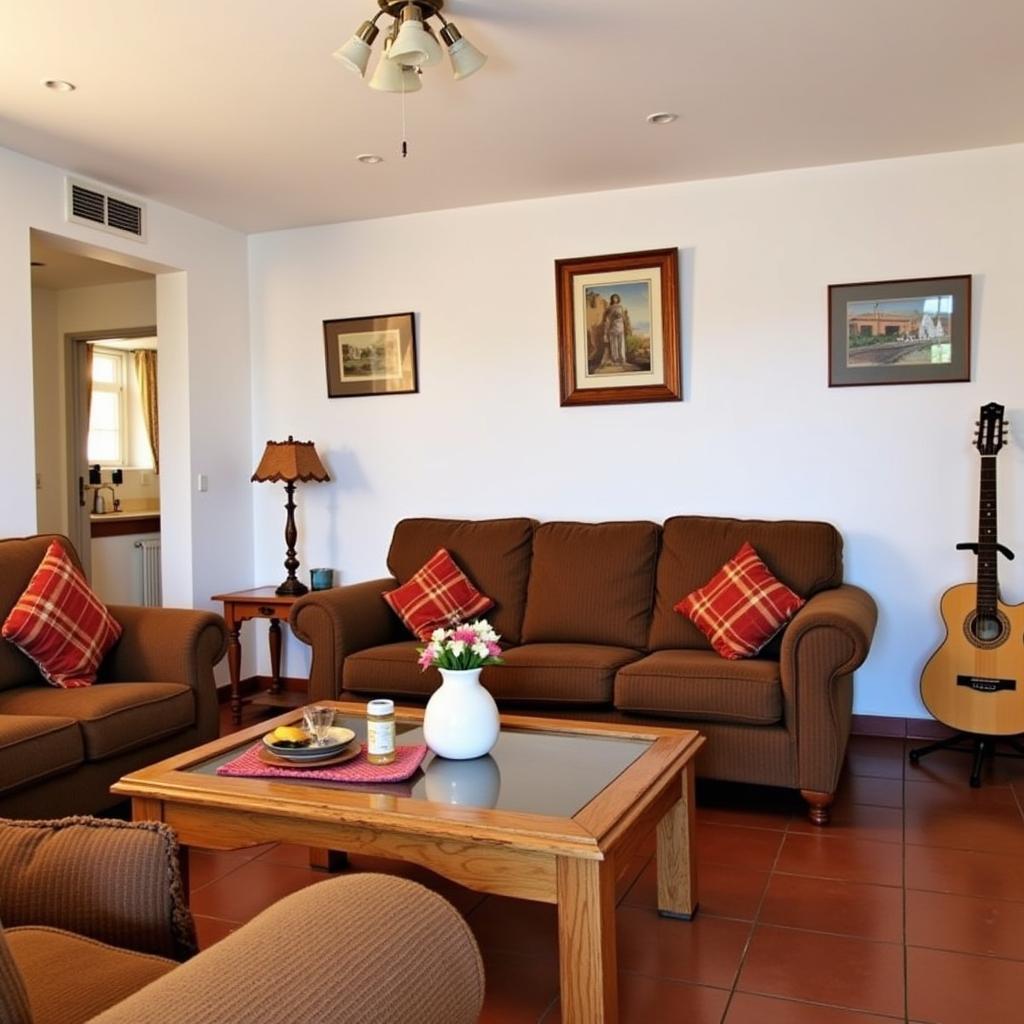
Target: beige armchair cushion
[[70, 979], [14, 1007]]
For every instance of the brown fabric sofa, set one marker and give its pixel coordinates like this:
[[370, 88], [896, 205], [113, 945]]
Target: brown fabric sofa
[[95, 924], [61, 750], [586, 610]]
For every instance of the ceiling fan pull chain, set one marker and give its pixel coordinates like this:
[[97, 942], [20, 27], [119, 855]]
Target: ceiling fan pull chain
[[405, 144]]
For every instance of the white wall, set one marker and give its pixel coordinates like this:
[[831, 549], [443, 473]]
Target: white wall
[[47, 381], [205, 408], [759, 433]]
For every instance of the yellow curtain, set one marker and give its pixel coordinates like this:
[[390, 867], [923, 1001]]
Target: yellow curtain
[[145, 371]]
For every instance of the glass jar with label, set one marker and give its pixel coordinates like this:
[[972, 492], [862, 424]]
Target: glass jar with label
[[380, 731]]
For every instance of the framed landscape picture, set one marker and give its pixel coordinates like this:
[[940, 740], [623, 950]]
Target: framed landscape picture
[[618, 328], [371, 355], [916, 331]]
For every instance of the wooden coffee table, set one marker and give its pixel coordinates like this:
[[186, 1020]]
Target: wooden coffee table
[[552, 814]]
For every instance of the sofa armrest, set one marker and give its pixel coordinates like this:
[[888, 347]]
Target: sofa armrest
[[367, 948], [115, 881], [828, 638], [338, 622], [170, 645]]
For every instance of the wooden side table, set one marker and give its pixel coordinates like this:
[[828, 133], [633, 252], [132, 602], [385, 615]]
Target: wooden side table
[[240, 606]]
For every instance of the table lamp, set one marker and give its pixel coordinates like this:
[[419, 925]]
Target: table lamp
[[289, 461]]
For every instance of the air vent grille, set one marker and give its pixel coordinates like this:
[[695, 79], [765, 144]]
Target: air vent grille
[[124, 216], [88, 204]]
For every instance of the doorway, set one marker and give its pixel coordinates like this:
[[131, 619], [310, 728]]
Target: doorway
[[95, 344]]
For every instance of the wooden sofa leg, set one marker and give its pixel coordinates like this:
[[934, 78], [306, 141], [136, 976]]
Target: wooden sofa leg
[[818, 805]]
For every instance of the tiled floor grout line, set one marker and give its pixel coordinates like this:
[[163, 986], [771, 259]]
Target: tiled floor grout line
[[753, 924]]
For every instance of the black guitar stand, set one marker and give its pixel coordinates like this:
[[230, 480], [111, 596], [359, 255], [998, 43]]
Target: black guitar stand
[[980, 746]]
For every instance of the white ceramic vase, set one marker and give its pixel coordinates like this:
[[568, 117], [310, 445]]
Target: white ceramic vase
[[461, 719]]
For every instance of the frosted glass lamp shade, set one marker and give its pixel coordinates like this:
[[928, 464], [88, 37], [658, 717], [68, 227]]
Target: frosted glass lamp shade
[[355, 55], [466, 58], [390, 76], [414, 46]]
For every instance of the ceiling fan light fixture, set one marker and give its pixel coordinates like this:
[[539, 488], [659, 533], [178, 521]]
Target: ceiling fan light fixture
[[355, 54], [391, 76], [414, 46], [465, 57]]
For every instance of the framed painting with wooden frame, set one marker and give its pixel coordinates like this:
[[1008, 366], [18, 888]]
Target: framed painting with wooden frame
[[914, 331], [618, 328], [371, 355]]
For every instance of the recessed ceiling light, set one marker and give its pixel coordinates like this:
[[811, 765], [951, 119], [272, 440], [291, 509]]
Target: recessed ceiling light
[[59, 85], [662, 117], [370, 158]]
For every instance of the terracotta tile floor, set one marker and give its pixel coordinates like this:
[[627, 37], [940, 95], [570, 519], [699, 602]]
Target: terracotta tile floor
[[910, 907]]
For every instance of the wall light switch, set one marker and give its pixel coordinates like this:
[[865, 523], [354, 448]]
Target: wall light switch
[[202, 483]]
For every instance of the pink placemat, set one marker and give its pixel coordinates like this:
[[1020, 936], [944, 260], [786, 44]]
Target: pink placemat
[[407, 760]]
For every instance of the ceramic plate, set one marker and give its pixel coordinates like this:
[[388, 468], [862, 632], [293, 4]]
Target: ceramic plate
[[353, 750], [337, 737]]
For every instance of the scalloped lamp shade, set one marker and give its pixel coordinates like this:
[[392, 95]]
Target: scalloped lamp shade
[[289, 461]]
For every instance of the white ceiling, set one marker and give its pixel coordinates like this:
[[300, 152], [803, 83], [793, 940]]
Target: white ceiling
[[235, 110]]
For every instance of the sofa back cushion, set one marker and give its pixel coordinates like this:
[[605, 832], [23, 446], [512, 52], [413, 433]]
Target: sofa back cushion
[[493, 553], [591, 583], [19, 559], [806, 556]]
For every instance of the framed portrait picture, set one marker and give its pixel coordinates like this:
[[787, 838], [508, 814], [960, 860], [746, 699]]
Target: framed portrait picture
[[916, 331], [371, 355], [618, 328]]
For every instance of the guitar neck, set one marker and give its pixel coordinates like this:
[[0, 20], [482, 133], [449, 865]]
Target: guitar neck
[[988, 578]]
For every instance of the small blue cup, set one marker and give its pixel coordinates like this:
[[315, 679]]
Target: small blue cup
[[321, 579]]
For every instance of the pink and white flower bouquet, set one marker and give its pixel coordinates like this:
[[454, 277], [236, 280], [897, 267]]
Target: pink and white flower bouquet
[[468, 645]]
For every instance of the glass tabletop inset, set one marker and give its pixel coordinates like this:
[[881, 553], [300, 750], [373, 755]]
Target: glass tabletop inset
[[532, 771]]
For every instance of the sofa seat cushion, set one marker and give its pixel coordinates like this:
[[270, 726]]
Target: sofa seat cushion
[[70, 979], [36, 747], [389, 669], [702, 686], [113, 717], [493, 553], [592, 583], [532, 674], [544, 674]]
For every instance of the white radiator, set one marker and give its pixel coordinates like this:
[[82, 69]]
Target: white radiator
[[149, 572]]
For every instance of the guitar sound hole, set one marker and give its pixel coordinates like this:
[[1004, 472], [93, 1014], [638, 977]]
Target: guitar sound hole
[[986, 630]]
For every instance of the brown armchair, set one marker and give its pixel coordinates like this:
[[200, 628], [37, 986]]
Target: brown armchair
[[94, 927], [155, 695]]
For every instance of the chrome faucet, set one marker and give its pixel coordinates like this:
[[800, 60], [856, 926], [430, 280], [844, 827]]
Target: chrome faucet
[[98, 504]]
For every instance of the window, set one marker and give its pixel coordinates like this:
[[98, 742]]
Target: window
[[106, 444]]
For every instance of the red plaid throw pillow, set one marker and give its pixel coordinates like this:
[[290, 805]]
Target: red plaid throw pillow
[[438, 596], [742, 606], [60, 623]]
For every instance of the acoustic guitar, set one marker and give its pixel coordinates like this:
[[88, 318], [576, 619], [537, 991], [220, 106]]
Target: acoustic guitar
[[974, 682]]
